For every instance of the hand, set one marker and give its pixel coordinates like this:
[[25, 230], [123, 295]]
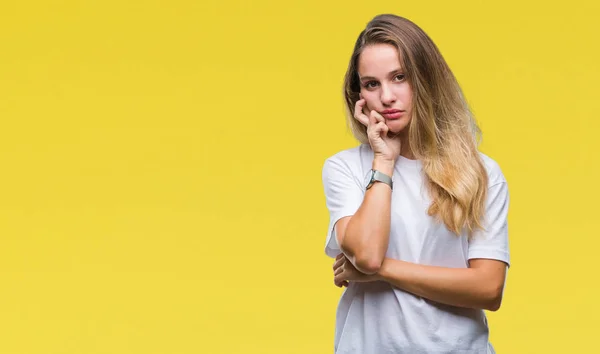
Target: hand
[[384, 145], [345, 272]]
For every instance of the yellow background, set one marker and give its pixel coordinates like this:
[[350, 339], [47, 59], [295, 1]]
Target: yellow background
[[161, 168]]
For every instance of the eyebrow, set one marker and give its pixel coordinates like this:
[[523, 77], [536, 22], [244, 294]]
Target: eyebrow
[[389, 74]]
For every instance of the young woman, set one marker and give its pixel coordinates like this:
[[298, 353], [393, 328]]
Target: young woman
[[418, 216]]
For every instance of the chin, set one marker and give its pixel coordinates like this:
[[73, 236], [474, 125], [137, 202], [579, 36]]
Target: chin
[[397, 125]]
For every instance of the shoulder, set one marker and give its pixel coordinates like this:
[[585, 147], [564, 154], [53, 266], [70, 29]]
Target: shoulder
[[351, 159], [493, 169]]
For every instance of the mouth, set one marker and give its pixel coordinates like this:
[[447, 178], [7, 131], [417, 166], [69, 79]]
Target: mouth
[[392, 113]]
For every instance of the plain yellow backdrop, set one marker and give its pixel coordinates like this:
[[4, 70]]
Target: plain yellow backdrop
[[161, 168]]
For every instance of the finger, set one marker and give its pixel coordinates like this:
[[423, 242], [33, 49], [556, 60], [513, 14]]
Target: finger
[[338, 269], [380, 129], [339, 256], [339, 279], [359, 113], [338, 263], [360, 105], [384, 130], [341, 283], [372, 119], [374, 124], [366, 111], [378, 117]]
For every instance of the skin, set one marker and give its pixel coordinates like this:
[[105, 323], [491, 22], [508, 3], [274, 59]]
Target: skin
[[364, 237], [383, 86]]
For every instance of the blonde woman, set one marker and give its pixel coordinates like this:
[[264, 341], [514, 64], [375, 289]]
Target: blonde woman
[[418, 216]]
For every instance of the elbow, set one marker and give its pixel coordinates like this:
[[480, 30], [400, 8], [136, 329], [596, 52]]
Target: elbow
[[368, 265], [493, 305], [494, 300], [364, 262]]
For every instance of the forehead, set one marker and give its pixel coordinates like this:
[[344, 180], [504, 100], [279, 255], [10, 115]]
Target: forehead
[[378, 60]]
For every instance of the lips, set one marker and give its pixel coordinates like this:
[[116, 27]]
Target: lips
[[392, 113]]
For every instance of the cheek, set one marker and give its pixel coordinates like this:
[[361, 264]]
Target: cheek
[[408, 93], [369, 100], [405, 93]]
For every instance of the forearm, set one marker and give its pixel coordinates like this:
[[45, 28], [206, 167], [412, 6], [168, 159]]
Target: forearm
[[367, 234], [463, 287]]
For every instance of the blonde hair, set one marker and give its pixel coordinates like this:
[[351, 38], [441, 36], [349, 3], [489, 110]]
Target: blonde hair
[[442, 132]]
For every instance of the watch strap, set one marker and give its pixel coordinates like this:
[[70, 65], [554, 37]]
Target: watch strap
[[377, 176]]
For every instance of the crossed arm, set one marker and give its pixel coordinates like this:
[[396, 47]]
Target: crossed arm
[[363, 239], [478, 286]]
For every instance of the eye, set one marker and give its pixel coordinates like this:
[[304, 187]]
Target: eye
[[368, 84], [400, 76]]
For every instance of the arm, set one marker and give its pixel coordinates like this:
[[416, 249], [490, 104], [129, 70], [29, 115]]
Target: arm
[[363, 237], [479, 286]]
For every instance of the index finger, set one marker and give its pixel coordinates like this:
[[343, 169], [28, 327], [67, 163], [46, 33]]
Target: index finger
[[359, 113]]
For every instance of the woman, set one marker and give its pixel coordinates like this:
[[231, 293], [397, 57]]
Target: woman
[[418, 216]]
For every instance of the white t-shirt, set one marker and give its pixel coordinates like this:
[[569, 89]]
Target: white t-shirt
[[377, 318]]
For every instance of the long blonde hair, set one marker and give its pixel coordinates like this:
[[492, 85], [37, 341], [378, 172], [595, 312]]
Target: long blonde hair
[[442, 132]]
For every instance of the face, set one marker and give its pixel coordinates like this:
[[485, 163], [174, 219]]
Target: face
[[384, 86]]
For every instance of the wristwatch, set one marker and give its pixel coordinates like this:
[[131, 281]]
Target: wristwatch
[[376, 176]]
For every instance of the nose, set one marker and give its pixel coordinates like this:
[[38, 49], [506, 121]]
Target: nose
[[387, 96]]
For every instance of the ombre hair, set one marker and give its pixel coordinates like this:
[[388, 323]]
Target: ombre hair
[[442, 132]]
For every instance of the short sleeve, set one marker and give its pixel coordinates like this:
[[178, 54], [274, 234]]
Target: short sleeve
[[492, 242], [343, 194]]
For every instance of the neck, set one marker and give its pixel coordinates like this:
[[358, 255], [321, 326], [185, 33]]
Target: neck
[[405, 149]]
